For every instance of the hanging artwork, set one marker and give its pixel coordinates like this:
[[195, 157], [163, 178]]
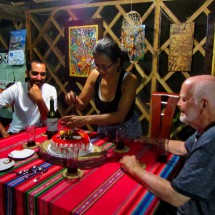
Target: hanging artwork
[[81, 38], [181, 47], [133, 36], [16, 54]]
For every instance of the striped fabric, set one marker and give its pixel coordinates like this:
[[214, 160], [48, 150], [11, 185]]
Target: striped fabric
[[102, 190]]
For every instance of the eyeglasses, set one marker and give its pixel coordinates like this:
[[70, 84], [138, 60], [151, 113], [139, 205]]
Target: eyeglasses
[[34, 73], [104, 68]]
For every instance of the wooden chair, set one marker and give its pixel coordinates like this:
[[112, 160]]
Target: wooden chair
[[162, 112]]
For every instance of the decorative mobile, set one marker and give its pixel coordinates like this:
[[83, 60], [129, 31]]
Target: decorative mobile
[[133, 36]]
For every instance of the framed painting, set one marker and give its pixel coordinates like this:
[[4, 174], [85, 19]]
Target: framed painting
[[81, 36]]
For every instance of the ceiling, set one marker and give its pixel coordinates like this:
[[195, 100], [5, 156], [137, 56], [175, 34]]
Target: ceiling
[[15, 10]]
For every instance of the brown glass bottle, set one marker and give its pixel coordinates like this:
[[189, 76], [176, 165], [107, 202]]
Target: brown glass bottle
[[52, 120]]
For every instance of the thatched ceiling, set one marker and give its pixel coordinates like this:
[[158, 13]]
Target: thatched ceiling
[[14, 10]]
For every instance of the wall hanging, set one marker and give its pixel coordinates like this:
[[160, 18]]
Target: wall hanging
[[81, 36], [16, 54], [181, 47], [133, 36]]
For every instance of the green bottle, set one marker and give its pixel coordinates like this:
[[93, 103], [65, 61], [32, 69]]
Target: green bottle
[[52, 120]]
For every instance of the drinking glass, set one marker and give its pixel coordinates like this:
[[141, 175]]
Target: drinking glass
[[120, 138], [162, 144], [72, 159], [30, 129]]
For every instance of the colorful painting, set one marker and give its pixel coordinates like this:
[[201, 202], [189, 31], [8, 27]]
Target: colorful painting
[[181, 47], [81, 40]]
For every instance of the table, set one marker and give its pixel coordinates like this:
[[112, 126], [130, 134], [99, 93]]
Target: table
[[105, 189]]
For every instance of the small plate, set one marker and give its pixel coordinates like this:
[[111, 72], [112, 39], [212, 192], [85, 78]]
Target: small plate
[[20, 154], [5, 164]]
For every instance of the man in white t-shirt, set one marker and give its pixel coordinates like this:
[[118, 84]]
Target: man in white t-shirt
[[30, 99]]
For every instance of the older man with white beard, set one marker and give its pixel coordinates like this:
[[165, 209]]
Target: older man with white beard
[[193, 190]]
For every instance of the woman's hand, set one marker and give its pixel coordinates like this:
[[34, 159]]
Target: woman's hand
[[73, 121], [73, 100], [70, 98]]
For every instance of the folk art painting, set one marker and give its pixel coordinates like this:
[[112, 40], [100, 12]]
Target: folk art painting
[[81, 38], [181, 47]]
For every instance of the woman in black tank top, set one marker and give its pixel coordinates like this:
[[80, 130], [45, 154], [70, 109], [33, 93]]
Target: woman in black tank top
[[113, 90]]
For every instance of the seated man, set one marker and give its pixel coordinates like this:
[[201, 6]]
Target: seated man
[[193, 189], [30, 99]]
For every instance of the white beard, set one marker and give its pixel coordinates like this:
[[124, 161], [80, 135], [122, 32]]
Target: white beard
[[183, 118], [189, 118]]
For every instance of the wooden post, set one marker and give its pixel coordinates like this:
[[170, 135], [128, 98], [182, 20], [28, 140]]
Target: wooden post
[[213, 58], [156, 48], [156, 44], [29, 33]]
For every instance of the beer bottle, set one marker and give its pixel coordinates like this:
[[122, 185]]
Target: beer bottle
[[52, 120]]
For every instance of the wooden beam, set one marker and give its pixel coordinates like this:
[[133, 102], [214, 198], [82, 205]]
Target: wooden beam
[[12, 13], [96, 4], [157, 25]]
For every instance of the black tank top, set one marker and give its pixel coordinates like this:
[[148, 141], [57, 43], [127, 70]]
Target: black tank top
[[109, 107]]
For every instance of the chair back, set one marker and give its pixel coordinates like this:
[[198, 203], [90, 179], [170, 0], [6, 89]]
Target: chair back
[[163, 106]]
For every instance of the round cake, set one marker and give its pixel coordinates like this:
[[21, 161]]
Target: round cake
[[67, 138]]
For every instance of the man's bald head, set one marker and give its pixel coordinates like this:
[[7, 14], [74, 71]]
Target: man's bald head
[[197, 101], [201, 87]]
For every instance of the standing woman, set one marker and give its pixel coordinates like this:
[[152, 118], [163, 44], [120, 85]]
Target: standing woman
[[114, 92]]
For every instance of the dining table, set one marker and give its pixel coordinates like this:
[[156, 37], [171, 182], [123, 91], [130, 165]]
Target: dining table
[[104, 188]]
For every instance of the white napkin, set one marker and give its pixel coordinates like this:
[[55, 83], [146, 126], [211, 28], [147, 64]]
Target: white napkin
[[21, 153]]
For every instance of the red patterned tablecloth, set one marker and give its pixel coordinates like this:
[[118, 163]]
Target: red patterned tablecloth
[[105, 189]]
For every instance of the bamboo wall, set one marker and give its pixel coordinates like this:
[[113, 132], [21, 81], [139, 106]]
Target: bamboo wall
[[45, 39]]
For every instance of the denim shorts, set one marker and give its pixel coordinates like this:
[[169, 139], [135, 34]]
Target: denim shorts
[[132, 128]]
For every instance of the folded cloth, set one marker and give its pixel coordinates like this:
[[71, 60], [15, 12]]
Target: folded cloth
[[21, 153]]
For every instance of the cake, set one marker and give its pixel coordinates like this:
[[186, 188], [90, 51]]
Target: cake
[[69, 137]]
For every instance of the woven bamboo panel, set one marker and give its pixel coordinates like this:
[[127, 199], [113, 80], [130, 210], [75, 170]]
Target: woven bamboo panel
[[46, 41]]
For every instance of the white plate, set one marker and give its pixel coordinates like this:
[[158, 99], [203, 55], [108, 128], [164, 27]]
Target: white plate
[[20, 154], [81, 153], [4, 165]]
